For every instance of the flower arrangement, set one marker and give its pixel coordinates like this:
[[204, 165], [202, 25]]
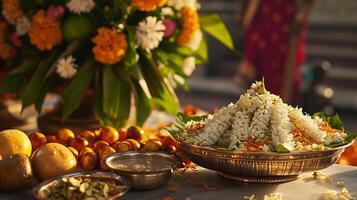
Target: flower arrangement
[[124, 50]]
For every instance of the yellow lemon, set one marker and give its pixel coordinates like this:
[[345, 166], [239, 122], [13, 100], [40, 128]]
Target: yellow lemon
[[52, 160], [14, 142]]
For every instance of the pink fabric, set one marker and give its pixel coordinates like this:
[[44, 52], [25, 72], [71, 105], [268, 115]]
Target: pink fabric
[[267, 43]]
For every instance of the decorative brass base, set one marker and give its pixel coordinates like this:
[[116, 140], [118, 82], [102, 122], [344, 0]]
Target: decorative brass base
[[261, 179], [50, 123]]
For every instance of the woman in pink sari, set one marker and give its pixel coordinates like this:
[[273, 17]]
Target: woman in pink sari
[[274, 45]]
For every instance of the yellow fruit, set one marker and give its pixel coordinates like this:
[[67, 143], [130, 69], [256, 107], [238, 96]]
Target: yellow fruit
[[14, 142], [65, 134], [52, 160]]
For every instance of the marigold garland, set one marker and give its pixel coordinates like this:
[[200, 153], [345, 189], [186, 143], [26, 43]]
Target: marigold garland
[[148, 5], [190, 24], [45, 32], [12, 9], [110, 47]]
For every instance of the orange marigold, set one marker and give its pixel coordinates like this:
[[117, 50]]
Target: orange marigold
[[148, 5], [110, 47], [12, 9], [45, 32], [190, 24], [7, 51]]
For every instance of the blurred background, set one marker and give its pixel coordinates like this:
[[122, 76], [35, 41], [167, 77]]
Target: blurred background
[[329, 72]]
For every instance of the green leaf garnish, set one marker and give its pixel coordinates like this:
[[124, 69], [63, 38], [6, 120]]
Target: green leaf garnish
[[281, 149]]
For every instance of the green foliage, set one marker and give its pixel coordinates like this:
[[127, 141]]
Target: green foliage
[[179, 125], [162, 93], [334, 121], [74, 92], [215, 27], [38, 81], [15, 80], [116, 97], [142, 102]]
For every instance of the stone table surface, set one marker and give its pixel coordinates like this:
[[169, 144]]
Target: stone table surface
[[190, 186]]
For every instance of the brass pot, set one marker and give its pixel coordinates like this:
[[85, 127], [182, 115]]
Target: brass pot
[[82, 119]]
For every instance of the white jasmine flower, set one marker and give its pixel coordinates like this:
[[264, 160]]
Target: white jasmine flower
[[217, 124], [179, 4], [8, 18], [23, 26], [274, 196], [66, 67], [344, 194], [195, 43], [189, 65], [149, 33], [305, 122], [167, 11], [80, 6]]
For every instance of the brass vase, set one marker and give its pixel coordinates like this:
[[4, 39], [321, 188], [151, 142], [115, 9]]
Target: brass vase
[[82, 119]]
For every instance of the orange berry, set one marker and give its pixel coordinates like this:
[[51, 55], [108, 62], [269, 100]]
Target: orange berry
[[171, 149], [89, 160], [78, 143], [106, 151], [103, 166], [74, 151], [168, 141], [99, 145], [122, 146], [84, 151], [153, 145], [51, 138], [109, 134], [88, 135], [65, 134], [122, 134], [37, 139], [135, 133], [135, 145]]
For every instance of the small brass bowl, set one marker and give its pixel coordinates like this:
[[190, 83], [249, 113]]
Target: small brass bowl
[[146, 171], [41, 190], [261, 167]]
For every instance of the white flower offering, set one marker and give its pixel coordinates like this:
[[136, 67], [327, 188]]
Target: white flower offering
[[261, 122]]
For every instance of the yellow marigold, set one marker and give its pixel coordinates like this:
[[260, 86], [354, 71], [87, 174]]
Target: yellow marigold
[[110, 47], [45, 32], [12, 9], [148, 5], [7, 51], [190, 24]]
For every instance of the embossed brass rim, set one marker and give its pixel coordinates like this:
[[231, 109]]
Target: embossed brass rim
[[261, 167]]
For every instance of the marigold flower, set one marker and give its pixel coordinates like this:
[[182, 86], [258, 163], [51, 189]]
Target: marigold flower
[[148, 5], [190, 24], [12, 9], [7, 51], [45, 32], [110, 47]]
